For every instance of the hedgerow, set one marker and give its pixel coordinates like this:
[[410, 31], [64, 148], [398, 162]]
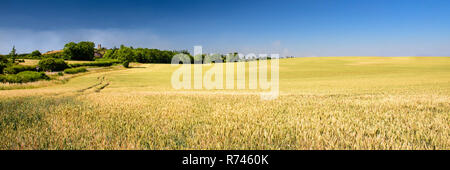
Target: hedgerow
[[14, 69], [23, 77], [97, 64], [75, 70]]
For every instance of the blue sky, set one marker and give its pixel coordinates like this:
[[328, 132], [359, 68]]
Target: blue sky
[[299, 28]]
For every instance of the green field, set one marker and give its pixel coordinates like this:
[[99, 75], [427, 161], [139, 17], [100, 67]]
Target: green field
[[324, 103]]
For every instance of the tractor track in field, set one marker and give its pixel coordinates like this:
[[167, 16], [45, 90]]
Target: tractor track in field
[[101, 78], [100, 85]]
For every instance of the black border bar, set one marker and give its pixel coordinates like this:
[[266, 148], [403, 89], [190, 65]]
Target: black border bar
[[275, 159]]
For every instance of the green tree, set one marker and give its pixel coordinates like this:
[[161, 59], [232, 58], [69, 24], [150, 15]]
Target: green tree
[[13, 54], [142, 55], [52, 64], [3, 63], [111, 53], [126, 64], [125, 55], [82, 51], [36, 53], [3, 59]]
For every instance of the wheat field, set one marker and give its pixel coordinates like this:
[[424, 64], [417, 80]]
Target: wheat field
[[324, 103]]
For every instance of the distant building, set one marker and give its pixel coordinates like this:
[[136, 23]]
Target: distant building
[[98, 55], [99, 52]]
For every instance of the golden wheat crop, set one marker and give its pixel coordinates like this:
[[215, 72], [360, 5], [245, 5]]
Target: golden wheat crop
[[324, 103]]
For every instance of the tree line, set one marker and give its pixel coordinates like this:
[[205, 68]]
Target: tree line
[[85, 50]]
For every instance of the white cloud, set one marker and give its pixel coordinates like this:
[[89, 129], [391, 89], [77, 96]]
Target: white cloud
[[28, 40]]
